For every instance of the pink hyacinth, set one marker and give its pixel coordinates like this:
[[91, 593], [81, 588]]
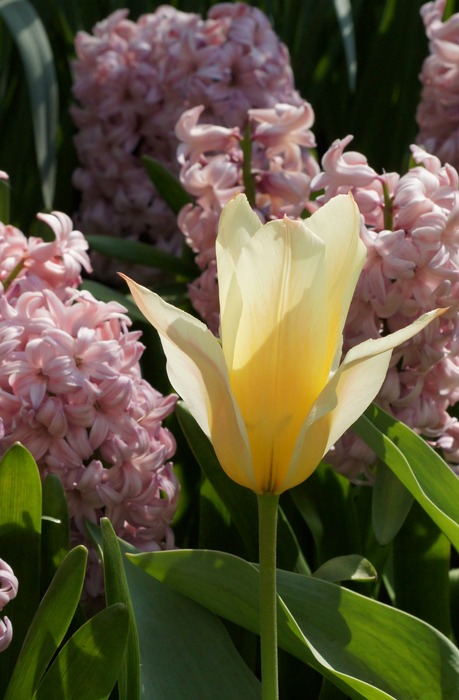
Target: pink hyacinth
[[8, 591], [438, 112], [412, 266], [71, 391], [212, 159], [133, 80]]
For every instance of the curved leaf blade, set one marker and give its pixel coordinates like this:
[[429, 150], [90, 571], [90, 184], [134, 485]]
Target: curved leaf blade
[[88, 665], [20, 529], [168, 186], [32, 42], [391, 504], [422, 471], [117, 591], [172, 627], [49, 625], [350, 567], [366, 648], [141, 254]]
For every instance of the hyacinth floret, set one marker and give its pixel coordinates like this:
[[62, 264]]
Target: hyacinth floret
[[8, 590]]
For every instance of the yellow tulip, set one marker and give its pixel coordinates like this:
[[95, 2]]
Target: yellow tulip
[[272, 396]]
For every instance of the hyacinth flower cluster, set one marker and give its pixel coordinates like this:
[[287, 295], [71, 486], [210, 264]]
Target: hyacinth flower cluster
[[438, 112], [410, 229], [133, 80], [412, 266], [8, 591], [71, 391], [274, 165]]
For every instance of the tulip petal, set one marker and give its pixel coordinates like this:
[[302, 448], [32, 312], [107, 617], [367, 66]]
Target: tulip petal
[[197, 371], [346, 396], [238, 223], [280, 311], [337, 224]]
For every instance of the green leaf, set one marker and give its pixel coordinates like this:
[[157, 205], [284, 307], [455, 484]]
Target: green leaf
[[117, 591], [240, 502], [323, 500], [351, 567], [422, 471], [5, 196], [88, 665], [142, 254], [368, 649], [48, 627], [32, 42], [421, 561], [390, 505], [55, 535], [343, 11], [185, 651], [20, 526], [168, 186]]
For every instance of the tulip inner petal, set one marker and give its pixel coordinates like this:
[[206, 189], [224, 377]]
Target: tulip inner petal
[[278, 366]]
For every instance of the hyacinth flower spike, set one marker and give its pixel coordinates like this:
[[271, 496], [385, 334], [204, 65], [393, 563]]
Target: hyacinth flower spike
[[273, 396]]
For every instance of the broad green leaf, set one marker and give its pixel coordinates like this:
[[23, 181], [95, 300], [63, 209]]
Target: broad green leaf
[[240, 502], [185, 651], [368, 649], [88, 665], [55, 534], [32, 42], [421, 561], [170, 626], [141, 254], [422, 471], [168, 186], [351, 567], [391, 504], [20, 526], [48, 627], [117, 591]]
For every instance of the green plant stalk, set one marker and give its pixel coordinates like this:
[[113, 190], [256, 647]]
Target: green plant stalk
[[267, 524]]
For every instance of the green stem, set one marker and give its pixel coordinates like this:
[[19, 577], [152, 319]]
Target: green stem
[[267, 524]]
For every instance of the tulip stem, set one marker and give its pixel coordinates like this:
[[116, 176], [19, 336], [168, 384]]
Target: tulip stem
[[267, 524]]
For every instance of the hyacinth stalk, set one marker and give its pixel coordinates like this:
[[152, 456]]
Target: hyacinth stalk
[[273, 395]]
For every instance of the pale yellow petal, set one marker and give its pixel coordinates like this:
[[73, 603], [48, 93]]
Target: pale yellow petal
[[197, 371], [278, 367], [337, 224], [346, 396], [238, 223]]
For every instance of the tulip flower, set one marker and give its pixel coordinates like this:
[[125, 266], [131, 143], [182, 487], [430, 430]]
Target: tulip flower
[[272, 396]]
